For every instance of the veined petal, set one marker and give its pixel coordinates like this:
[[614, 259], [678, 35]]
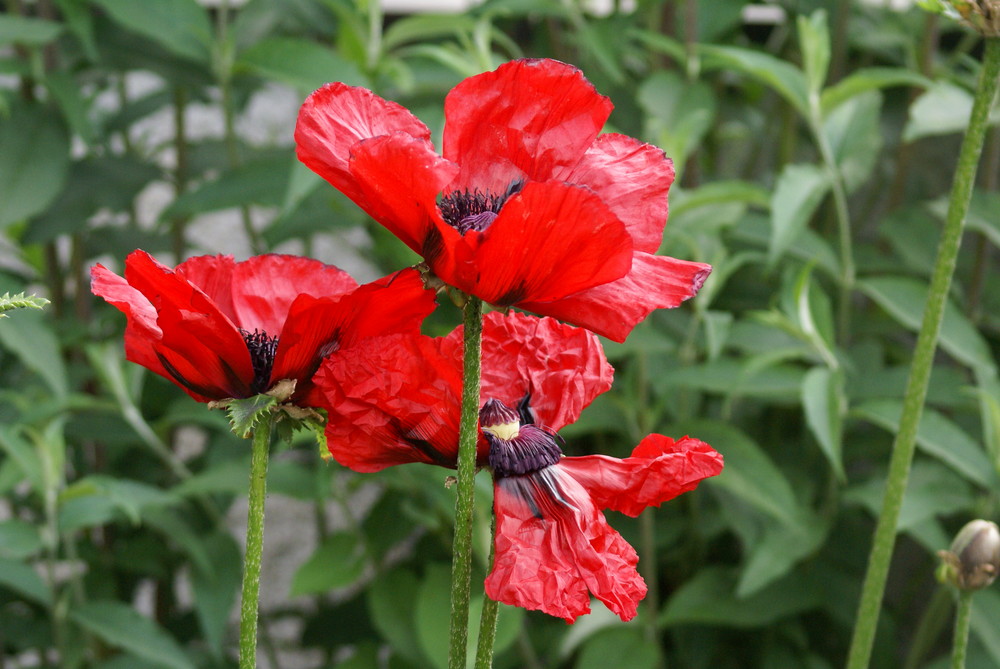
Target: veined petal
[[399, 178], [658, 470], [549, 241], [614, 309], [391, 400], [553, 546], [335, 118], [214, 276], [265, 287], [561, 368], [526, 119], [633, 179], [318, 326]]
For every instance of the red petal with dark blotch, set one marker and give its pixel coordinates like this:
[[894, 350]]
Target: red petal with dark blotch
[[264, 288], [658, 470], [633, 179], [214, 276], [526, 119], [391, 400], [561, 367], [614, 309], [197, 338], [317, 326], [549, 241], [400, 178], [553, 546], [335, 118]]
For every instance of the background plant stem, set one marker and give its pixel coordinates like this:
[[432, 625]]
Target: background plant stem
[[255, 543], [461, 566], [923, 358], [963, 617]]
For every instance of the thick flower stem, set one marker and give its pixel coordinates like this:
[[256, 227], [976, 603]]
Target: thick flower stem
[[923, 358], [488, 618], [255, 543], [461, 569], [963, 618]]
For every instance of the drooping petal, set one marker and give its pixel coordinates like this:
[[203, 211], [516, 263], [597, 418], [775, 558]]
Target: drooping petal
[[391, 400], [633, 179], [549, 241], [200, 347], [266, 286], [318, 326], [658, 470], [553, 546], [335, 118], [614, 309], [524, 120], [561, 368], [141, 330], [399, 179]]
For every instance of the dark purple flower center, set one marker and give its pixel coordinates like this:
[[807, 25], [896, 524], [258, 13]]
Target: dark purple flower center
[[515, 449], [474, 210], [262, 349]]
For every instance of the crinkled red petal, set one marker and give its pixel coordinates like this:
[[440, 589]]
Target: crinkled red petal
[[400, 179], [391, 400], [335, 118], [561, 368], [214, 276], [614, 309], [525, 120], [553, 546], [658, 470], [549, 241], [317, 326], [633, 179]]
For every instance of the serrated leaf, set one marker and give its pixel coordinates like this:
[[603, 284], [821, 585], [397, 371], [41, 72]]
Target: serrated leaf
[[245, 414], [20, 301]]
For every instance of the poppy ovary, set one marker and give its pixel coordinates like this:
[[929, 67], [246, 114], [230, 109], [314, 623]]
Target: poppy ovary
[[475, 210], [515, 449], [262, 348]]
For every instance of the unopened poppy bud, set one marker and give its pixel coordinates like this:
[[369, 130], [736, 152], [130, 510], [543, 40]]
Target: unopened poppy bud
[[973, 561]]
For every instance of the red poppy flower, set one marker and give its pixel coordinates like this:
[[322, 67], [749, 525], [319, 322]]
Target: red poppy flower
[[395, 399], [223, 329], [528, 205]]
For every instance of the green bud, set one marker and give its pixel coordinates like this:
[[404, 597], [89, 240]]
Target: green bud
[[973, 561]]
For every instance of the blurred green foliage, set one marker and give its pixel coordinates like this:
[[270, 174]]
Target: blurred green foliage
[[813, 156]]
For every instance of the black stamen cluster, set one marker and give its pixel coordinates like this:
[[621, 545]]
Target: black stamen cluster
[[262, 349], [474, 210]]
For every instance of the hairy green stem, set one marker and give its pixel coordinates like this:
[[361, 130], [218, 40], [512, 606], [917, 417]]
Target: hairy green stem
[[923, 358], [255, 543], [488, 618], [963, 617], [461, 567]]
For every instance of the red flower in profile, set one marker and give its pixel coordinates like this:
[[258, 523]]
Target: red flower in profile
[[529, 205], [395, 399], [222, 329]]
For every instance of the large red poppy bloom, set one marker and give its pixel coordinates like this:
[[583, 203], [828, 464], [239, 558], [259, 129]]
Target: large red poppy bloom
[[396, 399], [529, 205], [223, 329]]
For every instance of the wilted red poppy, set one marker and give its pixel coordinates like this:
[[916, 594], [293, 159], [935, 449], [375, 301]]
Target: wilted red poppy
[[222, 329], [395, 399], [528, 206]]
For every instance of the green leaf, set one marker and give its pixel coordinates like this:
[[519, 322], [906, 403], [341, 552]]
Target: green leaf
[[869, 79], [938, 437], [942, 109], [619, 647], [34, 160], [814, 40], [426, 27], [25, 581], [180, 26], [392, 602], [30, 337], [215, 590], [797, 194], [337, 563], [27, 31], [981, 216], [19, 539], [904, 299], [787, 80], [709, 599], [855, 136], [262, 182], [781, 547], [300, 63], [96, 496], [679, 113], [822, 399], [244, 414], [121, 626], [24, 454], [74, 107]]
